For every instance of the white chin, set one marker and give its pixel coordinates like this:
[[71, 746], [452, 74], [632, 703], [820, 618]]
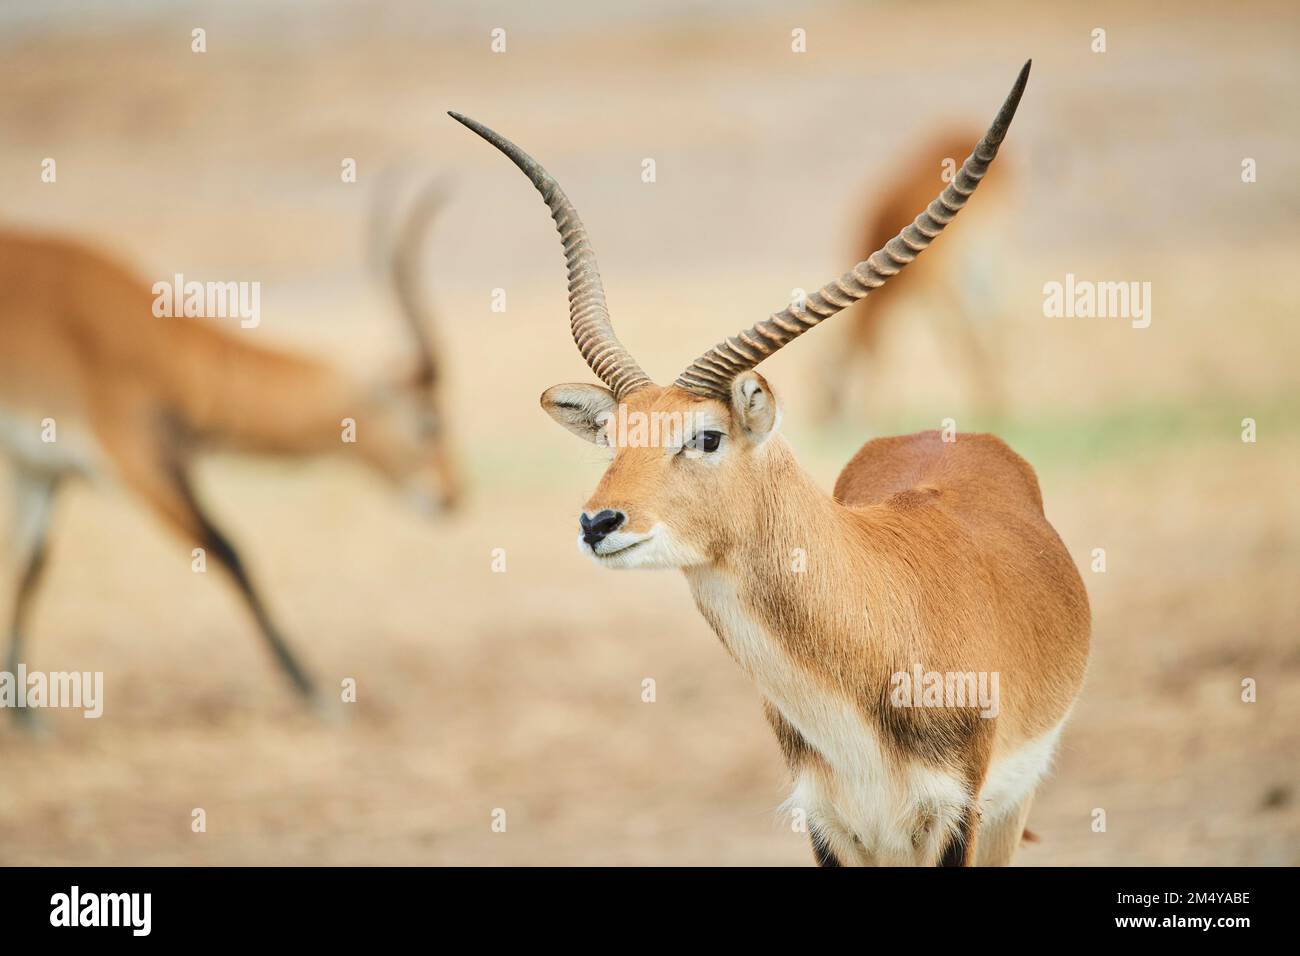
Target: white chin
[[624, 550]]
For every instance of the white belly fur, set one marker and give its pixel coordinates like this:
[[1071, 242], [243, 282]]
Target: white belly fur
[[868, 809], [74, 449]]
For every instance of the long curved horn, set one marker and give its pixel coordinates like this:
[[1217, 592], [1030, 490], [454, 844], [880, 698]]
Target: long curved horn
[[408, 251], [712, 373], [588, 314]]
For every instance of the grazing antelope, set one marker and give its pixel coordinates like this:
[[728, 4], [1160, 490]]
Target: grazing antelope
[[957, 283], [931, 555], [128, 395]]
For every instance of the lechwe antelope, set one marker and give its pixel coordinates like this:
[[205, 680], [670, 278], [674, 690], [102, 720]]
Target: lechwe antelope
[[957, 284], [92, 383], [931, 556]]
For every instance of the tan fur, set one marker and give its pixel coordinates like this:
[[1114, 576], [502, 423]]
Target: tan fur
[[1002, 838], [932, 560], [928, 552], [892, 205], [134, 397]]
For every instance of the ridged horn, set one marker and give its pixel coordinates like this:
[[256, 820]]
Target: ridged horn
[[588, 313], [713, 372]]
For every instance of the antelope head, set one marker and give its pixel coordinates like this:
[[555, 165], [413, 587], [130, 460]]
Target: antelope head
[[680, 450]]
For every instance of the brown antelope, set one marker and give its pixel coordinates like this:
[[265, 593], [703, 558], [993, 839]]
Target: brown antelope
[[956, 282], [94, 384], [931, 555]]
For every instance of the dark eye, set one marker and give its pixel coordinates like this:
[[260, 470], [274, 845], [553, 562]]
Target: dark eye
[[706, 441]]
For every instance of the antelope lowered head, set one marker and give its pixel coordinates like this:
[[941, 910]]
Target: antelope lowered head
[[682, 449]]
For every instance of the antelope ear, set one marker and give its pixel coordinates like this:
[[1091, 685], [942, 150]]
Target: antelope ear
[[582, 409], [753, 406]]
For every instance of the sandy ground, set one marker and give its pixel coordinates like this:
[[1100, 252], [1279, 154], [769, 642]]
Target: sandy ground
[[522, 690]]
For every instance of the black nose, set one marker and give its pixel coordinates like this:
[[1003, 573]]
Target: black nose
[[602, 523]]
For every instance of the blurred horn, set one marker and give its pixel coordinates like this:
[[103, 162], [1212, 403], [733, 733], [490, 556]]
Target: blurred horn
[[588, 313], [712, 373], [407, 258]]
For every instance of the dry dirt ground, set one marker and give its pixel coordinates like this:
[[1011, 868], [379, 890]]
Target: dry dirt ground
[[522, 690]]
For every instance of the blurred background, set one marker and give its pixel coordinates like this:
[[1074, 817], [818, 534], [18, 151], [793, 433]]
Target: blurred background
[[521, 690]]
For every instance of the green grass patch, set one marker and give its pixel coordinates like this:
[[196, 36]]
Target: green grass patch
[[1092, 438]]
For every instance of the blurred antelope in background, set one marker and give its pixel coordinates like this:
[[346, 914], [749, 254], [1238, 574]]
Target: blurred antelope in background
[[957, 285], [931, 554], [94, 385]]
